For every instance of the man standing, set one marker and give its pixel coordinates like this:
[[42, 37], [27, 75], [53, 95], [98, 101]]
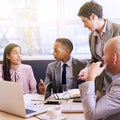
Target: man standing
[[91, 14], [108, 106]]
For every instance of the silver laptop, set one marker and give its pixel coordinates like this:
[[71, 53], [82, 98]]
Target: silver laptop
[[12, 100]]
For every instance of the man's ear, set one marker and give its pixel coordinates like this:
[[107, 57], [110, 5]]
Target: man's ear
[[68, 51], [115, 58], [93, 17]]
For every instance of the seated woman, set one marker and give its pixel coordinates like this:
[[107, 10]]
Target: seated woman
[[13, 70]]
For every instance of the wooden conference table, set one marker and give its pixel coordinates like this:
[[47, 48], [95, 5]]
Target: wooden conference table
[[34, 98]]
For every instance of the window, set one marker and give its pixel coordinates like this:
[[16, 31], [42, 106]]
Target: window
[[35, 24]]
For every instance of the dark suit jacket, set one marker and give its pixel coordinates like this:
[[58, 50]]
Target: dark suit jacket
[[112, 30], [54, 71]]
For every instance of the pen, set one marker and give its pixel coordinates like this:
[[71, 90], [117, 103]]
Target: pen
[[36, 100], [75, 77], [57, 96]]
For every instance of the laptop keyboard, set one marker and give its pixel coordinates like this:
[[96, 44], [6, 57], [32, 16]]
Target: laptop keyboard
[[35, 108], [28, 111]]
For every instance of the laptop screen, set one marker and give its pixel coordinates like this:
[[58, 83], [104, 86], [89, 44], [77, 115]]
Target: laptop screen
[[48, 90], [12, 101]]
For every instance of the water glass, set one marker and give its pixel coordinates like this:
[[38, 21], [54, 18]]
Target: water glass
[[65, 89]]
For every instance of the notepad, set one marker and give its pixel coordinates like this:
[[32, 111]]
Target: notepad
[[72, 108], [74, 93]]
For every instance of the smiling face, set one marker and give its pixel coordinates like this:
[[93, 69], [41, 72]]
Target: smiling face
[[15, 56], [90, 13], [90, 23]]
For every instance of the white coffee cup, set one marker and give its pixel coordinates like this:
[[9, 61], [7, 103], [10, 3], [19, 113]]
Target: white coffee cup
[[54, 112]]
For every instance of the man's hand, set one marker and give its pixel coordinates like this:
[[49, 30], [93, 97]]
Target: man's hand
[[93, 71], [41, 87], [82, 74]]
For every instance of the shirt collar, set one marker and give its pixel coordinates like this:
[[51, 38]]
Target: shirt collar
[[116, 76], [69, 62], [12, 70], [103, 31]]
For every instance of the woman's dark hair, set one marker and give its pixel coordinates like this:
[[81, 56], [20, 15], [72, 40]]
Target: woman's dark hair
[[6, 62]]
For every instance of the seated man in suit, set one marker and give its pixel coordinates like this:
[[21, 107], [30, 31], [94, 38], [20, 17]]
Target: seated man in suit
[[62, 53], [108, 106]]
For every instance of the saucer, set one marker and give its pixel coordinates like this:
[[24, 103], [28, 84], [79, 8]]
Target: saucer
[[47, 117]]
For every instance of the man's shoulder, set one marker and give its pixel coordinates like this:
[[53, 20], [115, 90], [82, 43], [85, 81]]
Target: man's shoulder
[[115, 26], [54, 63], [75, 60], [80, 61]]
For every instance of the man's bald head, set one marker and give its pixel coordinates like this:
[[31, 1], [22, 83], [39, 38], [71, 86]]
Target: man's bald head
[[111, 55], [113, 45]]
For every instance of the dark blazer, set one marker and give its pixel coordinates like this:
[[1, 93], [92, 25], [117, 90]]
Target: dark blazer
[[54, 71], [112, 30]]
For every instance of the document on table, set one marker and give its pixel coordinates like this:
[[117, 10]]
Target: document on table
[[34, 99], [74, 93]]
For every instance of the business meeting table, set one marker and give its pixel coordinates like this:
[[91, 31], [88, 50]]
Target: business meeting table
[[36, 99]]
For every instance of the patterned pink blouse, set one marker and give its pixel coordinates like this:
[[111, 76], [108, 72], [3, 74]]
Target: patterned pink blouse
[[24, 75]]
